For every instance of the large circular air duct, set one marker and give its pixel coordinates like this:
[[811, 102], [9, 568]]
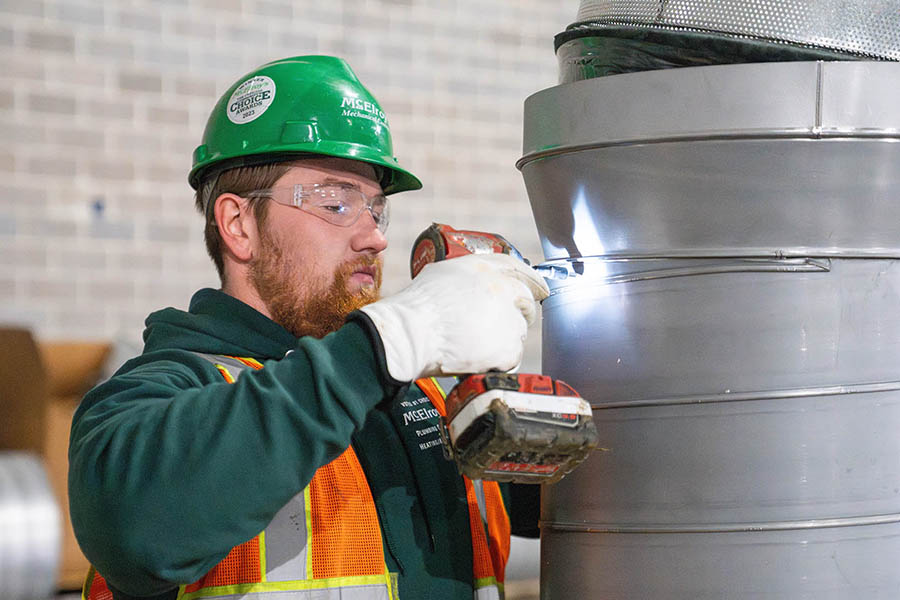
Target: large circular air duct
[[726, 248]]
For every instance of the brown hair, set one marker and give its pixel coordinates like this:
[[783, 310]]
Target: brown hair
[[238, 180]]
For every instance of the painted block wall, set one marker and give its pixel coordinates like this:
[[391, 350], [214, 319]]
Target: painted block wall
[[102, 103]]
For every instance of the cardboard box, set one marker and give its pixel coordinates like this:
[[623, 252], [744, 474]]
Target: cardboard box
[[41, 384]]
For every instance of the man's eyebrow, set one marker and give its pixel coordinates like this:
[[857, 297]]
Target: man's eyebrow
[[335, 181]]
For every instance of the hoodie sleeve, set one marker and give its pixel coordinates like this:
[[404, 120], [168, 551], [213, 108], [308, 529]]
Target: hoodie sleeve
[[171, 467]]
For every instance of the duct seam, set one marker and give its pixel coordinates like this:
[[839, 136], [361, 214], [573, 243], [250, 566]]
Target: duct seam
[[728, 396], [586, 527], [811, 133], [820, 76]]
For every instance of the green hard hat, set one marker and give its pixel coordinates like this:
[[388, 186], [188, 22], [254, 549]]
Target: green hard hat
[[294, 107]]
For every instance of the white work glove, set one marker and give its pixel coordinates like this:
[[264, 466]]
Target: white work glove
[[463, 315]]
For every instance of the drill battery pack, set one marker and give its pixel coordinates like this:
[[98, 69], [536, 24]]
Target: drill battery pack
[[521, 428]]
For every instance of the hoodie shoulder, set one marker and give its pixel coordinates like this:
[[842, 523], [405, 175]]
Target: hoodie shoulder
[[217, 323], [180, 368]]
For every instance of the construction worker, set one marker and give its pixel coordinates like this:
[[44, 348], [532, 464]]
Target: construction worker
[[279, 439]]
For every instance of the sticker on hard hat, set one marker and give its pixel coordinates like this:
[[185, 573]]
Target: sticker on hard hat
[[250, 99]]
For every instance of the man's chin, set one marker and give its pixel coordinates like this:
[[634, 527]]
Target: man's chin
[[362, 287], [361, 296]]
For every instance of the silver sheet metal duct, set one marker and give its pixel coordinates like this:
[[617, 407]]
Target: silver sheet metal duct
[[726, 243], [30, 529]]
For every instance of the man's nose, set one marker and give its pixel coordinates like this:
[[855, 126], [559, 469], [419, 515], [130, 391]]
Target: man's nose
[[367, 237]]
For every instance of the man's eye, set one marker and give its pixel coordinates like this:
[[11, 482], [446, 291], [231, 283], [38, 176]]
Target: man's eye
[[379, 205], [336, 207]]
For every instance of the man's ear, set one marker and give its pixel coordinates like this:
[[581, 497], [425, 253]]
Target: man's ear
[[237, 226]]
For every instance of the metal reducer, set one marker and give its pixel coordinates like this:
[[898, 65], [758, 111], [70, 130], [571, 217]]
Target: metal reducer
[[725, 235]]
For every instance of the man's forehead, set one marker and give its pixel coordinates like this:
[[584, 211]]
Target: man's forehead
[[332, 167]]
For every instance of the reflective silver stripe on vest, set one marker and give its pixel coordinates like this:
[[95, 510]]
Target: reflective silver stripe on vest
[[482, 503], [446, 384], [354, 592], [284, 534], [490, 592]]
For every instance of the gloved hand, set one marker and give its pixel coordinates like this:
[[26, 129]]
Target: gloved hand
[[463, 315]]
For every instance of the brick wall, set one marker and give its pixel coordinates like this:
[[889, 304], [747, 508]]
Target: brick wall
[[102, 103]]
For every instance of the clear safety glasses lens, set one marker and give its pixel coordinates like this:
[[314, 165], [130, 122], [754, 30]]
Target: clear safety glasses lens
[[337, 204]]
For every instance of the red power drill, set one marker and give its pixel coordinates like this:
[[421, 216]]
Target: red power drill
[[517, 427]]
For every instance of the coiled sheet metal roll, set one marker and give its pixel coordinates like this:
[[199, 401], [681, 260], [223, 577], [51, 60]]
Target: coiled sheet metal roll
[[30, 529]]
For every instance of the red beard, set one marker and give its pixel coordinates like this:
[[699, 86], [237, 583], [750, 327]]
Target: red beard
[[301, 302]]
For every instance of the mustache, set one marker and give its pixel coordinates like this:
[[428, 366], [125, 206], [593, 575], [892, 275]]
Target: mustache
[[367, 261]]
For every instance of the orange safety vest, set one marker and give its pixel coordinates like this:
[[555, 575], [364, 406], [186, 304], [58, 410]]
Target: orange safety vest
[[335, 551]]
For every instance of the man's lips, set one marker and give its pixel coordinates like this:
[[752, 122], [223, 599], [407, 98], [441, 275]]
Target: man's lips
[[365, 273]]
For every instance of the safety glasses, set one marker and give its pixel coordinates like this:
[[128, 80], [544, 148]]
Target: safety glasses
[[337, 203]]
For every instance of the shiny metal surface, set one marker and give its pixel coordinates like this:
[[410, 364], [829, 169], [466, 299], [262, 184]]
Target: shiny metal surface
[[788, 565], [774, 99], [740, 160], [780, 197], [745, 396], [870, 27], [725, 291], [30, 529], [801, 99]]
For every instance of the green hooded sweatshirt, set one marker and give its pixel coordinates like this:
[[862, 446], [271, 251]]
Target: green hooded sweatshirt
[[171, 467]]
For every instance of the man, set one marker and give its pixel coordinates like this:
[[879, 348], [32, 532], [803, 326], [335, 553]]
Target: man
[[269, 443]]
